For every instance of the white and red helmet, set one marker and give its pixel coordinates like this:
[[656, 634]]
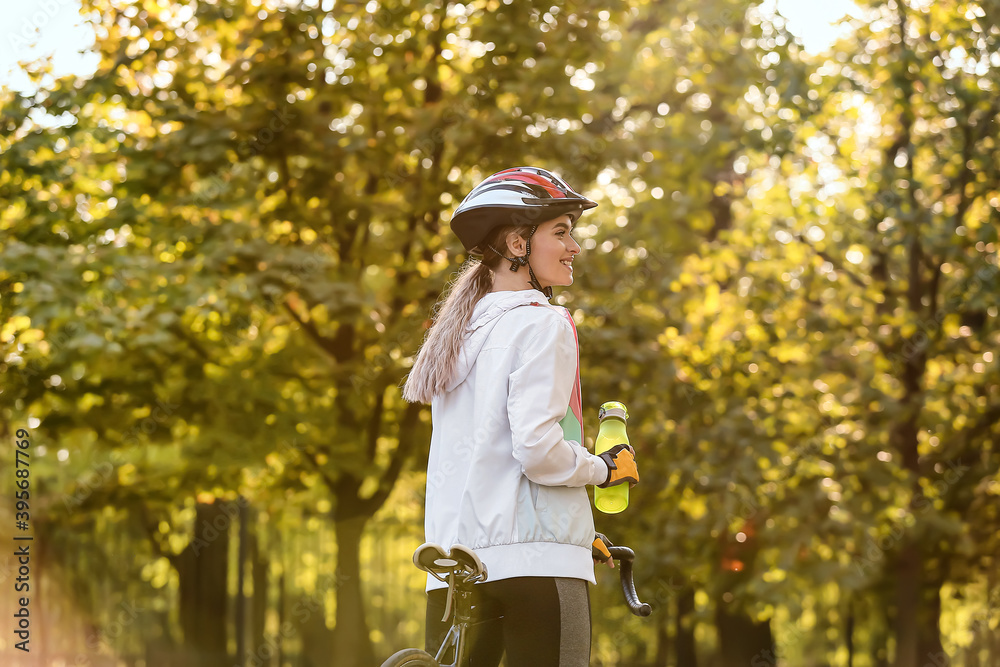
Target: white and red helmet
[[518, 196]]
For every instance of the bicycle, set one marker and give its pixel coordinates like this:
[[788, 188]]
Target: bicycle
[[461, 569]]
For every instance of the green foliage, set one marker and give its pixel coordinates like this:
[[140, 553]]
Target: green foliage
[[221, 257]]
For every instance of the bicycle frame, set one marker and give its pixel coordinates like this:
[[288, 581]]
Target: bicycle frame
[[458, 633], [461, 570]]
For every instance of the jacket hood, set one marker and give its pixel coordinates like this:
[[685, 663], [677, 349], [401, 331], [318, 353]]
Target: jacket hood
[[484, 318]]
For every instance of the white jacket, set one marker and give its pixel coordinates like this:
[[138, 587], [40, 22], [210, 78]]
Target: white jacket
[[501, 478]]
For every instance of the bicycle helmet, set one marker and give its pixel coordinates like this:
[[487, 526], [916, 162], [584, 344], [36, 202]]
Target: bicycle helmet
[[517, 196], [522, 195]]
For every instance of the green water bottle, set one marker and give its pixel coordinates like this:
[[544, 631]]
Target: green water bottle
[[613, 416]]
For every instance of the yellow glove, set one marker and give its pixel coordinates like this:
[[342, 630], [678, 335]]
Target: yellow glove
[[599, 549], [621, 466]]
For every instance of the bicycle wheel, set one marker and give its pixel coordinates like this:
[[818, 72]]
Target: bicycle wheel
[[411, 657]]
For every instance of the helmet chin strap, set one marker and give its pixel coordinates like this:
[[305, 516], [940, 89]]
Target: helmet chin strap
[[517, 262], [547, 291]]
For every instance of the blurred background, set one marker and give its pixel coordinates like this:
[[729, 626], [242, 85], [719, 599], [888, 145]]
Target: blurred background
[[224, 226]]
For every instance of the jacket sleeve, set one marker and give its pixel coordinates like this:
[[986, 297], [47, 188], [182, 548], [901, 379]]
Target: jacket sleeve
[[538, 396]]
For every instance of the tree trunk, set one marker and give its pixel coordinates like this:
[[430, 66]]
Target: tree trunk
[[662, 641], [282, 615], [908, 583], [742, 640], [684, 630], [309, 614], [202, 570], [880, 619], [351, 639], [992, 639], [258, 610], [849, 632], [912, 616], [973, 650], [931, 652], [41, 629], [241, 601]]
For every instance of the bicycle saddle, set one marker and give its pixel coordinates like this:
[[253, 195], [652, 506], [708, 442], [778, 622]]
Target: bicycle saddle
[[461, 560]]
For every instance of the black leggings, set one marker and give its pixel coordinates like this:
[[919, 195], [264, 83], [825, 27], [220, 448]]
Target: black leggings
[[538, 621]]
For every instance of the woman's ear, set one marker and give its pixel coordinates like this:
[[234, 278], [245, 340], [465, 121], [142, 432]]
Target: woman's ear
[[516, 245]]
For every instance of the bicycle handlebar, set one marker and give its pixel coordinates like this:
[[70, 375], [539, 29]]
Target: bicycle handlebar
[[625, 556]]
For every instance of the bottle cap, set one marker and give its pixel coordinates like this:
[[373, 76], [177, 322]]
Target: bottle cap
[[613, 409]]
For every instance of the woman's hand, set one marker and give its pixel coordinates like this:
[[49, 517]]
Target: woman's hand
[[599, 549], [621, 466]]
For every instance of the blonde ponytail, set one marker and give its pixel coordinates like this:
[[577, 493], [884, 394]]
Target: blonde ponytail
[[435, 365]]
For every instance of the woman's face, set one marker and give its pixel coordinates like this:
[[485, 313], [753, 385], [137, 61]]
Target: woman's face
[[552, 251]]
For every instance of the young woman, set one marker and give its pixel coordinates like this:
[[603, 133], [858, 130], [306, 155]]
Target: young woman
[[507, 468]]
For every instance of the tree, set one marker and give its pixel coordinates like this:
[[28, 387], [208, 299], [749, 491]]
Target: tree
[[226, 250]]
